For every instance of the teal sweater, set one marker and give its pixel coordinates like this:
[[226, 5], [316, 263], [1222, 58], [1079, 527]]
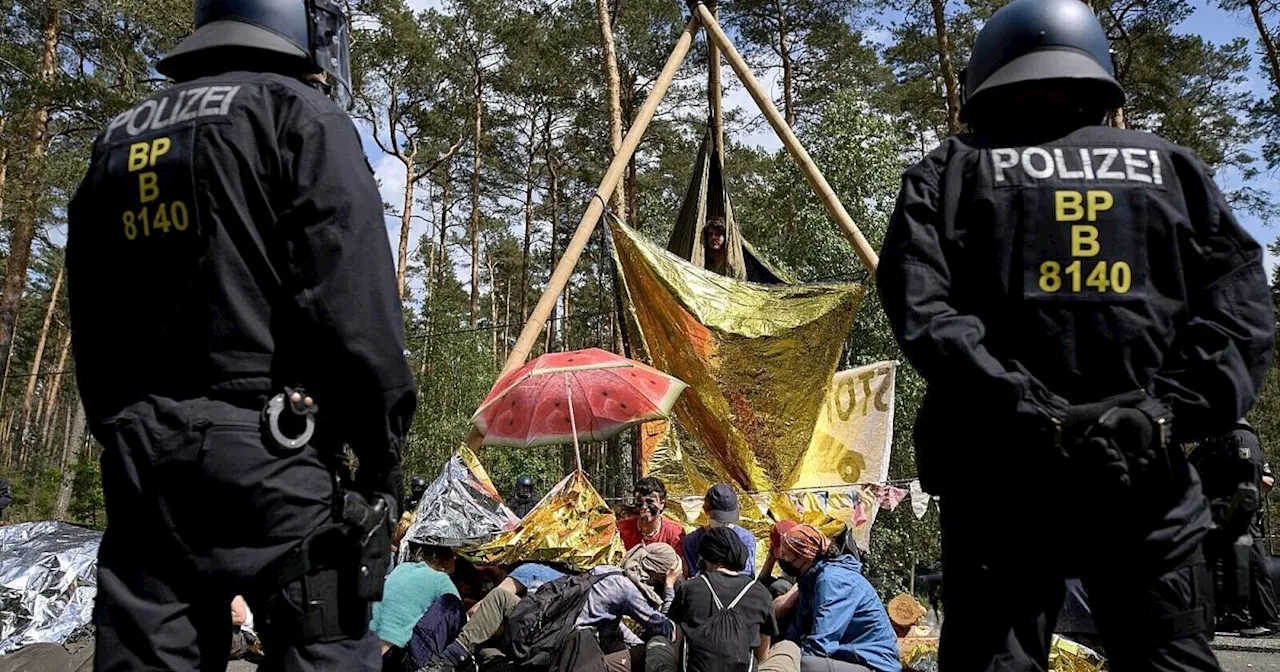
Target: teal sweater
[[407, 595]]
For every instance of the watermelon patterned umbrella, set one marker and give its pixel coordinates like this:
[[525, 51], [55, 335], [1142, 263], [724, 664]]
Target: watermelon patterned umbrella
[[563, 397]]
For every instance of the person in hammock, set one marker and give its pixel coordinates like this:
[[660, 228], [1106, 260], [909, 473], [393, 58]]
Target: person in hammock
[[715, 236]]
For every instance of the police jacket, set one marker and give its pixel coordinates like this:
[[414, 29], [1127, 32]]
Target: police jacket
[[228, 239], [1226, 462], [1024, 277]]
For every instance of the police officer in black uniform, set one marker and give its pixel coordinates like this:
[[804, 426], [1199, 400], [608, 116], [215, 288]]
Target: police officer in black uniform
[[417, 488], [1230, 466], [236, 325], [523, 502], [1080, 301]]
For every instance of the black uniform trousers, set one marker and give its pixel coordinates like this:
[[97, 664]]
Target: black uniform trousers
[[1262, 594], [1004, 570], [197, 509], [1229, 560]]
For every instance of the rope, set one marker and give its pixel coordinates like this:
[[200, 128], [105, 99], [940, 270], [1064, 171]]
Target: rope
[[816, 488]]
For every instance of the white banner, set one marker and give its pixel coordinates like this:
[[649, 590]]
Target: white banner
[[853, 436]]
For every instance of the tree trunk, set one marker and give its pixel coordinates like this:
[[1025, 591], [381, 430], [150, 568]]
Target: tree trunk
[[528, 224], [1268, 44], [784, 52], [476, 165], [443, 268], [1117, 118], [24, 229], [406, 220], [493, 302], [65, 458], [4, 167], [4, 385], [944, 61], [72, 449], [564, 324], [430, 275], [555, 239], [506, 322], [51, 392], [614, 87], [633, 214], [38, 359]]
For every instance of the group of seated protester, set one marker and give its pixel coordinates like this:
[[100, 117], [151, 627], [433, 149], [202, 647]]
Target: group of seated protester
[[691, 603]]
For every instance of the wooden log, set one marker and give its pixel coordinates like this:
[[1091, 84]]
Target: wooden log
[[904, 612], [797, 151], [715, 90]]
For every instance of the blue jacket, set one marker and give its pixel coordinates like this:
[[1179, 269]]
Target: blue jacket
[[841, 617], [692, 540]]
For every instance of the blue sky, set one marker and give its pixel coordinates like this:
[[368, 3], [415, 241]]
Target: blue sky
[[1208, 20]]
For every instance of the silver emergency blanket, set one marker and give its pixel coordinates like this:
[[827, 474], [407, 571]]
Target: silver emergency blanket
[[48, 579], [460, 508]]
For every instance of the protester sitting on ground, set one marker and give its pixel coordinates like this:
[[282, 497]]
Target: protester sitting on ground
[[412, 589], [597, 600], [724, 618], [721, 507], [649, 526], [835, 615], [243, 637], [475, 581]]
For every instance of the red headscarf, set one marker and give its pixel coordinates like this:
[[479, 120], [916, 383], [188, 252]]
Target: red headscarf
[[801, 540]]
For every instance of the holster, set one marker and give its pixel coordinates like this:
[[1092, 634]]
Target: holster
[[340, 568]]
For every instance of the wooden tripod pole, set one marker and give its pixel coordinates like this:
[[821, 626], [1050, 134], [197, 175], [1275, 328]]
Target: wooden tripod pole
[[789, 139], [564, 269], [715, 91]]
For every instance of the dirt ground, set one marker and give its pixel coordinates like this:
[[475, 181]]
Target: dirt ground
[[1232, 661]]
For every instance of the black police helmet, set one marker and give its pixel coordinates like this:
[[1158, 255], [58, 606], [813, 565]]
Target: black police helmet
[[417, 483], [276, 26], [304, 35], [524, 482], [1038, 40]]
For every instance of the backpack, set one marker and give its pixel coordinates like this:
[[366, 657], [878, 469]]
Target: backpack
[[705, 643], [537, 628]]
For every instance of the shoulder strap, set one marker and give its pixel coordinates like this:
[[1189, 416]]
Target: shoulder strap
[[714, 598], [741, 595]]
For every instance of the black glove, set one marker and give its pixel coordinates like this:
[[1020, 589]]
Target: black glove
[[1140, 434], [1121, 439]]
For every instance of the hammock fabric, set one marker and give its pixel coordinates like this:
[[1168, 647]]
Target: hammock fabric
[[706, 197]]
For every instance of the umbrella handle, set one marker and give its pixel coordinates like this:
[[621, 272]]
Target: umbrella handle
[[573, 424]]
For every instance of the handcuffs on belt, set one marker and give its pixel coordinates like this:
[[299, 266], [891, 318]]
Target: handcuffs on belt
[[300, 404]]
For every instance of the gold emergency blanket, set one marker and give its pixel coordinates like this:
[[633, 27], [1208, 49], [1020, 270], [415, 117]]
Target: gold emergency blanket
[[758, 359], [1064, 656], [571, 525]]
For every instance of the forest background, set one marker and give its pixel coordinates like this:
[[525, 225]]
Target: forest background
[[489, 126]]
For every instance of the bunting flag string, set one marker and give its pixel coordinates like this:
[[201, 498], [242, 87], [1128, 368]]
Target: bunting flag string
[[761, 500], [919, 500], [851, 502], [692, 507]]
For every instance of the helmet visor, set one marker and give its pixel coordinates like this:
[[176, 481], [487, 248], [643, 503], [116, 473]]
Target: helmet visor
[[330, 47]]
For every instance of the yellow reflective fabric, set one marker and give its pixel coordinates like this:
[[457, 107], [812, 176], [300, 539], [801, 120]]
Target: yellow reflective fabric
[[572, 525], [758, 360], [1064, 656], [1068, 656], [477, 470]]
